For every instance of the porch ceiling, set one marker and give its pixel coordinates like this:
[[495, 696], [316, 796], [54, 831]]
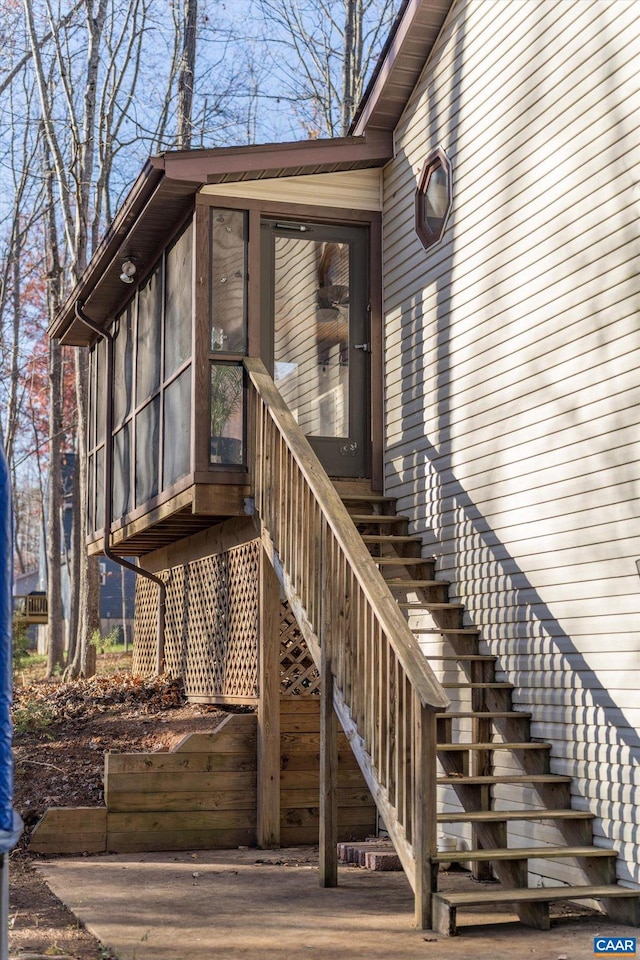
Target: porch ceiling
[[162, 196]]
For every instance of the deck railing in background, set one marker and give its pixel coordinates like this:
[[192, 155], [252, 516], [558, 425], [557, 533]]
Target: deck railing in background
[[385, 693], [31, 606]]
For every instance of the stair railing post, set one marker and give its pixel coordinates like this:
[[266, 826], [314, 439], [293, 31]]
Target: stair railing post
[[425, 814], [268, 812], [328, 839]]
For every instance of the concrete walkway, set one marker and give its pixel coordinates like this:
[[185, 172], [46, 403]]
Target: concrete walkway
[[267, 905]]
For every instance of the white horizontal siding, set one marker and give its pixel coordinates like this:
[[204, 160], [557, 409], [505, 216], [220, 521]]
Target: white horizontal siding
[[511, 375], [356, 189]]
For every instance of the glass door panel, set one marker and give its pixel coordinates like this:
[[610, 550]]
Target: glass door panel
[[315, 289]]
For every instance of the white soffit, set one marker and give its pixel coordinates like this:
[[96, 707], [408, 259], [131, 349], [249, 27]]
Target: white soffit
[[355, 189]]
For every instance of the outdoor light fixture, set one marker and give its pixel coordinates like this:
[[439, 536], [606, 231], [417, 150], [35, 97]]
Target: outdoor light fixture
[[128, 270]]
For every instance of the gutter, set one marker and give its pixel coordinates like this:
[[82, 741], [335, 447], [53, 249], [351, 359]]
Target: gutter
[[108, 488]]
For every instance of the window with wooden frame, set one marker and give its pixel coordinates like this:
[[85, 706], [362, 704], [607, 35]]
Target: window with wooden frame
[[433, 198], [228, 336]]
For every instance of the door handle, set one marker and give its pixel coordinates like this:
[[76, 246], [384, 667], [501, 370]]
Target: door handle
[[365, 347]]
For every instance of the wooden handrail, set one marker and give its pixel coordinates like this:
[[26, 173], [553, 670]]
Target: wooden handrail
[[337, 517], [384, 691]]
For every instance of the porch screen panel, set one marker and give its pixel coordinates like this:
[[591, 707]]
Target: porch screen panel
[[228, 281], [91, 416], [148, 337], [147, 438], [178, 302], [122, 472], [91, 490], [311, 333], [177, 429], [100, 489], [123, 366], [100, 355]]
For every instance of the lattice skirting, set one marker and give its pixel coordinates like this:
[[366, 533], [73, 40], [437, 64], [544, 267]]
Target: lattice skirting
[[211, 630], [298, 674], [211, 635]]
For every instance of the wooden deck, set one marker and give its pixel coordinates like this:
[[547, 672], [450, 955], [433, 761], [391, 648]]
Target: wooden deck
[[32, 607]]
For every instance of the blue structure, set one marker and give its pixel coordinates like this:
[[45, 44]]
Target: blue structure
[[10, 822]]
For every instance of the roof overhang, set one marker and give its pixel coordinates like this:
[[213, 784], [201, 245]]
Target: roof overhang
[[164, 193], [400, 64]]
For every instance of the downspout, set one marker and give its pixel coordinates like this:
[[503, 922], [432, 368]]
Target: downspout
[[108, 487]]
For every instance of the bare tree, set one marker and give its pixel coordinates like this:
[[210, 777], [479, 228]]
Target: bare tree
[[55, 650], [74, 182], [186, 74], [321, 52]]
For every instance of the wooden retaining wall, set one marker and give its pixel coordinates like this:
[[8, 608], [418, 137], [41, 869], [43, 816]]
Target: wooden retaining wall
[[300, 779], [202, 794]]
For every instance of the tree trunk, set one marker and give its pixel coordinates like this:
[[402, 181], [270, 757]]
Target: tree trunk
[[54, 514], [186, 74], [55, 649], [85, 587], [74, 561]]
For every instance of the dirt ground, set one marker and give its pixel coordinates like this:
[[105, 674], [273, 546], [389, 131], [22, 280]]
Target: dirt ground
[[61, 733]]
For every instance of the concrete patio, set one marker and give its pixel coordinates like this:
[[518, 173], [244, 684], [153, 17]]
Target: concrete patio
[[250, 904]]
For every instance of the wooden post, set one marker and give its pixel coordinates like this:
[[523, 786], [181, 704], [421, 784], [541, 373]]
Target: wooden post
[[425, 814], [328, 744], [268, 822]]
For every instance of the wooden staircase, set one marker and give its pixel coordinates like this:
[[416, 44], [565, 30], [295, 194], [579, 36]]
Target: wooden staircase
[[485, 746], [365, 601]]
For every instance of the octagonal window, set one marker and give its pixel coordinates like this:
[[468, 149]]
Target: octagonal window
[[433, 198]]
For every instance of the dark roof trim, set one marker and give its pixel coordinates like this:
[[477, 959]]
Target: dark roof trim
[[261, 160], [143, 189], [163, 192], [400, 64]]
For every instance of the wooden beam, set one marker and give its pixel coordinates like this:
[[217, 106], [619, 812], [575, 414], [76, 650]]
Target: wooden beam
[[425, 814], [268, 828], [328, 839]]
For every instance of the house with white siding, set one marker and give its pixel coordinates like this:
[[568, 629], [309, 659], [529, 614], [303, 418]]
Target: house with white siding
[[366, 412]]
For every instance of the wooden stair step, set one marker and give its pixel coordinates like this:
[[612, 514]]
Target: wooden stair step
[[378, 518], [472, 657], [403, 562], [525, 745], [500, 816], [484, 715], [514, 778], [428, 604], [366, 498], [521, 853], [446, 905], [396, 582], [454, 631], [392, 538], [467, 685], [476, 898]]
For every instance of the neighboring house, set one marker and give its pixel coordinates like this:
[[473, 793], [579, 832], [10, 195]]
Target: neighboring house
[[447, 302], [117, 586], [23, 585]]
